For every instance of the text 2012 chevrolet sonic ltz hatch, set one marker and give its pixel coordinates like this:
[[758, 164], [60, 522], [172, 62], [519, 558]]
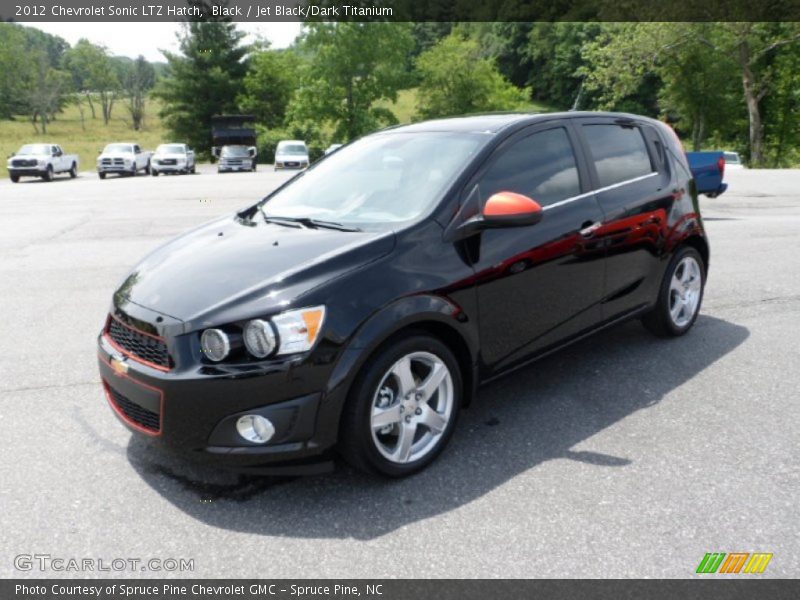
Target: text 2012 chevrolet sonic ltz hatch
[[356, 309]]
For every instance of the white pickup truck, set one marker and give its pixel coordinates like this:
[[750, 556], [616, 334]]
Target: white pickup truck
[[125, 158], [41, 160], [172, 158]]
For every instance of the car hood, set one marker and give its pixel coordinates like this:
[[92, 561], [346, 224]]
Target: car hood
[[127, 155], [173, 155], [297, 157], [232, 269]]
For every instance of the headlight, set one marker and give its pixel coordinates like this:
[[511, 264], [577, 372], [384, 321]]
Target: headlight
[[259, 338], [215, 344], [298, 329]]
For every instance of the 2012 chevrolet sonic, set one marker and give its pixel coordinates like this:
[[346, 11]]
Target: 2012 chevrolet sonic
[[356, 309]]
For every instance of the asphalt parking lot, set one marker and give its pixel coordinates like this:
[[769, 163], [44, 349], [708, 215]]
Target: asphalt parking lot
[[623, 456]]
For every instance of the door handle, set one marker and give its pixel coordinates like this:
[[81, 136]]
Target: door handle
[[588, 228]]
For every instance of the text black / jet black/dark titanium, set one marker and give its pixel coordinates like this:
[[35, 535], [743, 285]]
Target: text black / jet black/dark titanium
[[357, 308]]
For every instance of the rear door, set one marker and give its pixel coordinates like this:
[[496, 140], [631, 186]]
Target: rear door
[[540, 284], [631, 180]]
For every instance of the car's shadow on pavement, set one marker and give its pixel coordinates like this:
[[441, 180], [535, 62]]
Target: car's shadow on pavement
[[536, 414]]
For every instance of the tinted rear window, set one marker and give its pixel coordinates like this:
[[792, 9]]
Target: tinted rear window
[[619, 153]]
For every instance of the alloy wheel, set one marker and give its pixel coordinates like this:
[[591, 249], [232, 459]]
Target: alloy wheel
[[412, 407], [684, 291]]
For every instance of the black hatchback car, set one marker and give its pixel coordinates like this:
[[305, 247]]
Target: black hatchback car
[[356, 309]]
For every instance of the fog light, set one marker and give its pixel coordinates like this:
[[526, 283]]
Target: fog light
[[255, 428]]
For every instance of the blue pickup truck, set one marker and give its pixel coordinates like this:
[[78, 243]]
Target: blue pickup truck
[[708, 169]]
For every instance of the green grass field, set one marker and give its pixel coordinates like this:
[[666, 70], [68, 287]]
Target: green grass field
[[87, 143]]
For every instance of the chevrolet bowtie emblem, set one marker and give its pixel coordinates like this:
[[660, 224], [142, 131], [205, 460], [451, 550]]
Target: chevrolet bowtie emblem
[[121, 368]]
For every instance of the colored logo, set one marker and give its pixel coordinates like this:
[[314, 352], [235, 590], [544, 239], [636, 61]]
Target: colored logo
[[734, 562], [121, 368]]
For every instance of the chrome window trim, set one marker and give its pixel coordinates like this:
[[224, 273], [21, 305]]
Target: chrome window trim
[[599, 190]]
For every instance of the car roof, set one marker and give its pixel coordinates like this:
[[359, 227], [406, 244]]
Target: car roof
[[496, 122]]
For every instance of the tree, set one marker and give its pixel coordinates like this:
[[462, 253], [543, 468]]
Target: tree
[[755, 47], [93, 73], [269, 85], [16, 71], [47, 91], [694, 84], [203, 80], [139, 78], [351, 66], [456, 80]]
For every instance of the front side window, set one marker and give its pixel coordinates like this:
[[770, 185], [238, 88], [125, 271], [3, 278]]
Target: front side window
[[619, 153], [541, 166]]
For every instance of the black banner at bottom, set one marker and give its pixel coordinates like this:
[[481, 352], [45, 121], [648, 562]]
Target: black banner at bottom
[[397, 589]]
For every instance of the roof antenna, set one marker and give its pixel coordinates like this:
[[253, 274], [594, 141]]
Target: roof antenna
[[577, 102]]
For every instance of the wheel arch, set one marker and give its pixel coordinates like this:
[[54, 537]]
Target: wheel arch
[[441, 320], [699, 243]]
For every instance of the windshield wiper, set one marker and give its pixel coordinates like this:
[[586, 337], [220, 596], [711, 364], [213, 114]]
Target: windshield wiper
[[307, 222]]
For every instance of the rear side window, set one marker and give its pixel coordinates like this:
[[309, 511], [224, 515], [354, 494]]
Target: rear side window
[[619, 153], [541, 166]]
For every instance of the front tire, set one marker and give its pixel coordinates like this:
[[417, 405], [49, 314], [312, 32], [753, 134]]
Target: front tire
[[403, 407], [73, 171], [154, 173], [14, 178], [147, 169], [680, 295], [48, 175], [101, 175]]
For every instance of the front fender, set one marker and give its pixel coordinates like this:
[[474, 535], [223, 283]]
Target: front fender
[[426, 311]]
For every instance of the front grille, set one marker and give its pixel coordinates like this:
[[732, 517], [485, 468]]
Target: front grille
[[233, 162], [141, 416], [116, 161], [23, 162], [292, 163], [139, 344], [168, 161]]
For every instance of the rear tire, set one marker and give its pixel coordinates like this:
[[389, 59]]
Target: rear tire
[[680, 295], [403, 407], [194, 169]]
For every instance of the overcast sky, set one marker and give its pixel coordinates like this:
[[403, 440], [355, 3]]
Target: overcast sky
[[133, 39]]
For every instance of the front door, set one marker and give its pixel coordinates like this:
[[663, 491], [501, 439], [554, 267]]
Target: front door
[[541, 284]]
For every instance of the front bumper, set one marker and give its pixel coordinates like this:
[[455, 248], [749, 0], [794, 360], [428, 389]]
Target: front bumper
[[176, 168], [114, 168], [26, 171], [194, 412]]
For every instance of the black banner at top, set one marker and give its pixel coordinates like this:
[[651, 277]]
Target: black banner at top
[[399, 10]]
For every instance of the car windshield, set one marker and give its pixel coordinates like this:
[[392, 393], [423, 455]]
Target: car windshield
[[170, 149], [292, 149], [35, 149], [118, 148], [383, 179], [234, 151], [732, 158]]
